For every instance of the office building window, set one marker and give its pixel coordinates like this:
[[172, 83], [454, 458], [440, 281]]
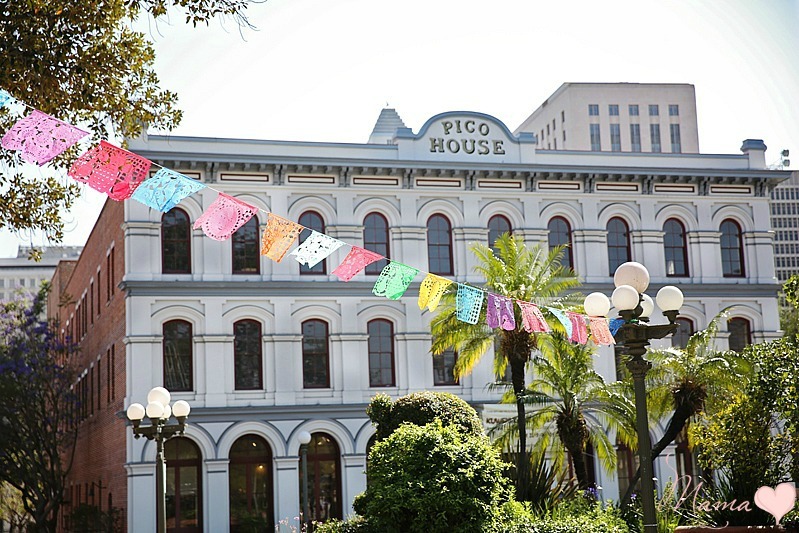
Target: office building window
[[177, 356], [247, 359], [654, 110], [613, 110], [633, 110], [439, 245], [635, 137], [732, 253], [615, 138], [245, 248], [497, 225], [618, 243], [315, 355], [381, 353], [562, 117], [312, 220], [560, 234], [675, 249], [676, 146], [654, 133], [674, 110], [175, 243], [250, 482], [444, 368], [375, 239], [593, 110], [596, 144], [740, 333]]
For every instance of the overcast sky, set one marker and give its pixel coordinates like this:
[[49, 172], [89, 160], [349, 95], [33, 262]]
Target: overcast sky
[[321, 70]]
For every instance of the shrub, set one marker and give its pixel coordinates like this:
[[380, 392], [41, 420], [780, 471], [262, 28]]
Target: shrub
[[422, 408], [356, 524], [432, 479]]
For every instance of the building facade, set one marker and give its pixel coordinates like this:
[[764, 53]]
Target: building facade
[[785, 221], [23, 275], [264, 350], [617, 117]]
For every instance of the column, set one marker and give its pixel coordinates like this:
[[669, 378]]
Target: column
[[286, 360], [287, 489], [591, 255], [464, 259], [141, 497], [217, 499], [706, 255], [350, 363], [413, 356], [647, 249], [354, 481], [218, 353], [409, 246], [534, 237], [759, 256]]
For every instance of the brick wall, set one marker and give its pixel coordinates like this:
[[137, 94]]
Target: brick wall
[[92, 312]]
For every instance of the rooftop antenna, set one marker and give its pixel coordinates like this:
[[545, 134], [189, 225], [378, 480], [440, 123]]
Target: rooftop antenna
[[784, 162]]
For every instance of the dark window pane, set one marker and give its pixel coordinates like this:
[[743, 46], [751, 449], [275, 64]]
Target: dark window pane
[[444, 368], [324, 478], [315, 355], [560, 234], [183, 485], [312, 221], [618, 243], [497, 225], [381, 353], [250, 485], [732, 264], [177, 356], [439, 245], [247, 355], [246, 249], [175, 242], [375, 239], [685, 328], [675, 248], [740, 333]]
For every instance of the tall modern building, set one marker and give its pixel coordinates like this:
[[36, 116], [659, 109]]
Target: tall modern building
[[21, 275], [785, 222], [264, 350], [617, 117]]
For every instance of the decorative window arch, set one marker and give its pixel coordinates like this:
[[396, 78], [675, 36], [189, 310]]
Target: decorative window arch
[[312, 220], [175, 242], [376, 239], [247, 355], [324, 478], [675, 248], [381, 353], [685, 328], [250, 481], [439, 244], [618, 243], [315, 355], [497, 225], [560, 234], [178, 356], [246, 258], [732, 250], [184, 497], [740, 333]]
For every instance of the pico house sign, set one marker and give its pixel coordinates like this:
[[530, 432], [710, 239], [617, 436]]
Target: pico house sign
[[465, 136]]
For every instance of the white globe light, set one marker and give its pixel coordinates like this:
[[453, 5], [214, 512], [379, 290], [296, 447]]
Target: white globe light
[[135, 412], [634, 274], [669, 298], [167, 412], [181, 408], [158, 394], [647, 306], [596, 304], [625, 298], [155, 409], [304, 437]]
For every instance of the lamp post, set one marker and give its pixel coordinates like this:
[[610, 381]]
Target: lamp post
[[304, 437], [635, 307], [159, 412]]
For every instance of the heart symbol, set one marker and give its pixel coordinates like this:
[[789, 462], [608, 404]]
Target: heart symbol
[[778, 501]]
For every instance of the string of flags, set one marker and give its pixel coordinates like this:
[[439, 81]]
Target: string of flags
[[39, 138]]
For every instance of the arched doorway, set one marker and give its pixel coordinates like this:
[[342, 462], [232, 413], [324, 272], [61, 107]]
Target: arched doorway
[[183, 486], [324, 478], [250, 484]]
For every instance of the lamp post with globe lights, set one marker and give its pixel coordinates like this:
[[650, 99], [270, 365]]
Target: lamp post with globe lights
[[631, 280], [159, 411], [305, 438]]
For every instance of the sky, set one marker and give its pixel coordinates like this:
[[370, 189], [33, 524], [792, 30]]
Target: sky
[[321, 70]]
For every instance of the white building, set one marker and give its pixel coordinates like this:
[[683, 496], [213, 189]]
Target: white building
[[617, 117], [265, 350], [21, 275]]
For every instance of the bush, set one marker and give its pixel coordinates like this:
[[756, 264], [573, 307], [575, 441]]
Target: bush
[[422, 408], [356, 524], [432, 479]]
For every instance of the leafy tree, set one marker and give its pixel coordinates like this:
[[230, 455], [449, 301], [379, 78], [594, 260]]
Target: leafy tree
[[37, 429], [574, 406], [79, 61], [533, 275]]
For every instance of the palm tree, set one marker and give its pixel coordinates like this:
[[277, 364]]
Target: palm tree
[[575, 404], [689, 381], [532, 275]]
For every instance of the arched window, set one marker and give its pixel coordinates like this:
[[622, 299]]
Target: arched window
[[618, 243], [178, 357], [246, 249], [247, 360], [675, 249], [250, 483], [732, 251], [444, 368], [439, 245], [560, 234], [375, 239], [183, 486], [315, 355], [497, 225], [324, 478], [685, 328], [740, 333], [175, 242], [381, 353], [312, 220]]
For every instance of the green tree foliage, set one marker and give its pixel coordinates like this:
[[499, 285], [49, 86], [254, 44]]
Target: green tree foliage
[[37, 409], [422, 408], [532, 275], [430, 479], [80, 61]]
